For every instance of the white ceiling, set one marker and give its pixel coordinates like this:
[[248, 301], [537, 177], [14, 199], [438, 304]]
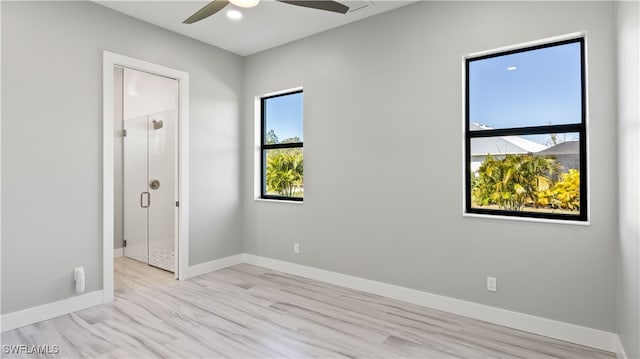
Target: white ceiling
[[267, 25]]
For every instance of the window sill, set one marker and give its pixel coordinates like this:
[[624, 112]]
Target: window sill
[[527, 219], [278, 201]]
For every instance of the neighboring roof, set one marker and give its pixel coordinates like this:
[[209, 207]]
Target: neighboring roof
[[501, 145], [473, 126], [564, 148]]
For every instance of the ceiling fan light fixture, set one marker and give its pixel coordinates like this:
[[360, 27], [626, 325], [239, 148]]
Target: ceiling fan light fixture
[[245, 3], [217, 5], [234, 14]]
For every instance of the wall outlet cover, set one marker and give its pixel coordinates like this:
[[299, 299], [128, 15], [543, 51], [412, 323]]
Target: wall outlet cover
[[492, 284]]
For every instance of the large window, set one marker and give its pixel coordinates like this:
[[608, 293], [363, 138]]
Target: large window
[[526, 133], [281, 145]]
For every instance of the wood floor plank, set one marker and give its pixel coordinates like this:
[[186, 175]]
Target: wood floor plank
[[246, 311]]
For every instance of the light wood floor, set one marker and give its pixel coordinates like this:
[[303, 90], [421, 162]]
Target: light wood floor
[[251, 312]]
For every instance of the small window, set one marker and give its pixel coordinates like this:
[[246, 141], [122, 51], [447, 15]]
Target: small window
[[525, 136], [281, 145]]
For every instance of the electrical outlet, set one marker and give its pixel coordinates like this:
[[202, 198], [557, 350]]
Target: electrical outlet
[[79, 278], [492, 284], [296, 248]]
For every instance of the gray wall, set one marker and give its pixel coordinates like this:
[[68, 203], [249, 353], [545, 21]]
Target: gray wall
[[383, 152], [52, 142], [382, 111], [628, 297]]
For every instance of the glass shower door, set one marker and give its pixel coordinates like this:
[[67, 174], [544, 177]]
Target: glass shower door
[[136, 195], [150, 152], [150, 160], [162, 187]]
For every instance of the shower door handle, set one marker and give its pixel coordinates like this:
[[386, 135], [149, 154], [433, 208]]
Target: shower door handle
[[142, 199]]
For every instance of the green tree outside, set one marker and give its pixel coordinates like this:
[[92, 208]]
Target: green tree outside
[[284, 168], [271, 138], [524, 180]]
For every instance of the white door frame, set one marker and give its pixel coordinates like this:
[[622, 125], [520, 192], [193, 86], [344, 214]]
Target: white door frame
[[109, 60]]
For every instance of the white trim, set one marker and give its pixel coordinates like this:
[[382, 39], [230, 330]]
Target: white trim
[[183, 182], [118, 252], [587, 118], [257, 149], [213, 265], [278, 201], [523, 45], [620, 353], [551, 328], [51, 310], [282, 92], [0, 151], [110, 60], [526, 219]]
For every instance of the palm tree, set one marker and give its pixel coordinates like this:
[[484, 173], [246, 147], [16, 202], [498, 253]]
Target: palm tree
[[285, 171], [514, 181]]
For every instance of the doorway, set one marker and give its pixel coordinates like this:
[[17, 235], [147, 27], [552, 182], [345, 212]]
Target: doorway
[[146, 218], [156, 166]]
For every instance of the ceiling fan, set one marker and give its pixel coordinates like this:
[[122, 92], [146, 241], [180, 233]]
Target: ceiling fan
[[217, 5]]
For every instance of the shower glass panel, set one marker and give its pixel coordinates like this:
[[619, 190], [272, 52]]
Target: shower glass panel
[[135, 187], [150, 168], [162, 186]]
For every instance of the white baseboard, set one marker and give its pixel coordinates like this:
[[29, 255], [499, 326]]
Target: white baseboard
[[51, 310], [620, 353], [214, 265], [118, 252], [551, 328], [28, 316], [547, 327]]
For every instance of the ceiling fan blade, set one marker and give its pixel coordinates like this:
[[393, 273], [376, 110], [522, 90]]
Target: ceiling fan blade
[[332, 6], [208, 10]]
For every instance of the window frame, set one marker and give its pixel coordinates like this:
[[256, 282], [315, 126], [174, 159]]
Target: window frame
[[580, 128], [264, 147]]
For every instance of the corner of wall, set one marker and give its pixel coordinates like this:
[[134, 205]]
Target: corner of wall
[[627, 38]]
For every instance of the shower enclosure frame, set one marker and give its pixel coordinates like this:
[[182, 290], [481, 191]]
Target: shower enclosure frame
[[110, 60]]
